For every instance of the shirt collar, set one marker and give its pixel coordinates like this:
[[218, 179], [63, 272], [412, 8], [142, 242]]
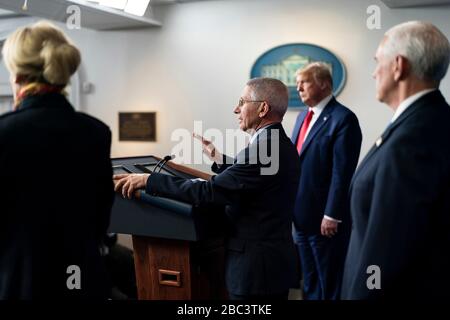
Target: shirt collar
[[405, 104], [321, 105], [253, 138]]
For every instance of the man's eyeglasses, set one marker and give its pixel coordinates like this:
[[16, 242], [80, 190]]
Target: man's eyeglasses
[[242, 101]]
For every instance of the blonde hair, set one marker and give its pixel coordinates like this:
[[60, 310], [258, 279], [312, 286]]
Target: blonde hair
[[42, 53], [320, 71]]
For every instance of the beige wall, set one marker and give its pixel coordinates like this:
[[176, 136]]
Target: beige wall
[[194, 67]]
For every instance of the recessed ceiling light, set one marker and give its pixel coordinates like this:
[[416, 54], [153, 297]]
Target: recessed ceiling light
[[137, 7], [116, 4]]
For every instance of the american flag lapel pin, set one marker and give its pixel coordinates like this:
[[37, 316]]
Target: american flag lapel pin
[[379, 141]]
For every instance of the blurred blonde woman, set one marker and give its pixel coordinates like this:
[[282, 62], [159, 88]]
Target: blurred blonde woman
[[51, 223]]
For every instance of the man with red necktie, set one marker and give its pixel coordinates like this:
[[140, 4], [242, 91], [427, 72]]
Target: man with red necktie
[[328, 140]]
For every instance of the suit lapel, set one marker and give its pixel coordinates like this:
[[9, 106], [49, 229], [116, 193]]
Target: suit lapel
[[298, 124], [323, 118], [426, 99], [369, 154], [243, 155]]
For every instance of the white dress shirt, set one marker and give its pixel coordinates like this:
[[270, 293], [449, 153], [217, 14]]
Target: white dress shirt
[[317, 109], [253, 138], [405, 104]]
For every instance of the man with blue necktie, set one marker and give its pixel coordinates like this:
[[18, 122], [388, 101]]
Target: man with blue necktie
[[328, 140]]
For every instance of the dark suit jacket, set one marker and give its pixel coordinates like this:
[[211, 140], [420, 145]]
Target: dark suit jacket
[[260, 256], [56, 192], [400, 204], [328, 160]]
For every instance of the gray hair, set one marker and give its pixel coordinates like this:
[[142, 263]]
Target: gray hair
[[273, 91], [423, 44], [320, 71]]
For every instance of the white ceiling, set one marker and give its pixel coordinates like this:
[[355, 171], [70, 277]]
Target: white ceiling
[[6, 14], [414, 3], [163, 2], [103, 18], [92, 16]]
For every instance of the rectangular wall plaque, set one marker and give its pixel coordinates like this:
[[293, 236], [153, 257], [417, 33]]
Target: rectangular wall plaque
[[137, 126]]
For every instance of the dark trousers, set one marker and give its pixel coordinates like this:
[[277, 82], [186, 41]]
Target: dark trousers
[[268, 297], [322, 260], [120, 267]]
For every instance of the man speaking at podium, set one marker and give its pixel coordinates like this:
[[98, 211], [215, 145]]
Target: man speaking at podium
[[258, 199]]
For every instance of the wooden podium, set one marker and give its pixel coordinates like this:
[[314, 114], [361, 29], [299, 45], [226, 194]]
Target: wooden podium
[[178, 247]]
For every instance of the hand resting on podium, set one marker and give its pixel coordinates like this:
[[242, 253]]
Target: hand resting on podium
[[128, 183]]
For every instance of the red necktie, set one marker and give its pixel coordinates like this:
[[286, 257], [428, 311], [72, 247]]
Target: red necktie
[[303, 130]]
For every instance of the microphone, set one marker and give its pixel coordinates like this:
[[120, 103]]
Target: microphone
[[163, 162]]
